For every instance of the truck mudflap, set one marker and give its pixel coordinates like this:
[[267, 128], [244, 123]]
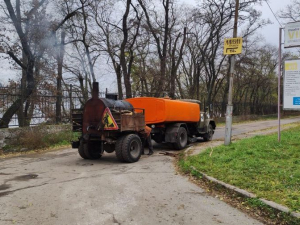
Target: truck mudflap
[[75, 144]]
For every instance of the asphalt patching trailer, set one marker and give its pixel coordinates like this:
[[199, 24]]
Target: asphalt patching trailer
[[108, 125]]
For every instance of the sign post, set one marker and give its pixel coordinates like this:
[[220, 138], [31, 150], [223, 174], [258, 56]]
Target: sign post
[[232, 51], [232, 46]]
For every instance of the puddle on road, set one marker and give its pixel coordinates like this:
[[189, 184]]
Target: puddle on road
[[44, 156], [4, 193], [24, 177], [4, 173], [84, 164], [4, 187]]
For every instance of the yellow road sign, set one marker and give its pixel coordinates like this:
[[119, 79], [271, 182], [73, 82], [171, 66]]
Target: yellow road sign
[[233, 46], [109, 121]]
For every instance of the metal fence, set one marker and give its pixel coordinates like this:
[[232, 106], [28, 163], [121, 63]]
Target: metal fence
[[218, 109], [40, 107]]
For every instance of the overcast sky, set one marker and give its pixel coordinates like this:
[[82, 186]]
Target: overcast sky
[[269, 32]]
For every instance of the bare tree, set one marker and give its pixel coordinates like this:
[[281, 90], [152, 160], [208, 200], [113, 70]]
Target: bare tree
[[160, 33], [21, 24], [167, 32], [291, 13], [208, 27], [120, 38]]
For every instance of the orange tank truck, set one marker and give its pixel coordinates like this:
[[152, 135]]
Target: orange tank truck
[[160, 110], [175, 121]]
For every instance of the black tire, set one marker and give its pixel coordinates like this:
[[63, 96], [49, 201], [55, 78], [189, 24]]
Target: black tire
[[182, 139], [92, 150], [210, 132], [81, 150], [118, 149], [132, 148]]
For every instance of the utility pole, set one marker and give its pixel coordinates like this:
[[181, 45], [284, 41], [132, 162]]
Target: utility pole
[[229, 108]]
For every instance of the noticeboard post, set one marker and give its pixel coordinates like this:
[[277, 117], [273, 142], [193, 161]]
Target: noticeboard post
[[233, 46], [291, 85]]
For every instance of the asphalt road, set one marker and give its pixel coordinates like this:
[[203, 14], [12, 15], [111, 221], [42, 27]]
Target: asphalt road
[[244, 128], [61, 188]]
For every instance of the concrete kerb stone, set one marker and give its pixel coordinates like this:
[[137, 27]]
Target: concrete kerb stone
[[247, 194]]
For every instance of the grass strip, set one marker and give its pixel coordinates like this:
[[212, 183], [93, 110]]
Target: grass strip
[[260, 165]]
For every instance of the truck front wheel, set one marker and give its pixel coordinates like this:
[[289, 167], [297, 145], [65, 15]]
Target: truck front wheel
[[81, 150], [131, 148], [118, 149], [210, 132], [182, 139]]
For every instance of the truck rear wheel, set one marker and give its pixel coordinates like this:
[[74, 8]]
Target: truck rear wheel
[[131, 148], [210, 132], [81, 150], [182, 139], [118, 149], [91, 150]]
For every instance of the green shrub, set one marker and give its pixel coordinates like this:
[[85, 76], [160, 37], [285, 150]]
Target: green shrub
[[38, 138]]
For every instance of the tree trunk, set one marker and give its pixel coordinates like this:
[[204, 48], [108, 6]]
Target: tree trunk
[[21, 118], [60, 58], [126, 74], [175, 64], [4, 121]]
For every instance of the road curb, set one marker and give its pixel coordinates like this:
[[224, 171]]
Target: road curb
[[247, 194]]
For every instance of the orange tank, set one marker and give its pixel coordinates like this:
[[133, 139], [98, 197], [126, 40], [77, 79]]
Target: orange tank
[[161, 110]]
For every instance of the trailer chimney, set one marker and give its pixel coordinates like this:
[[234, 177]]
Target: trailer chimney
[[95, 91]]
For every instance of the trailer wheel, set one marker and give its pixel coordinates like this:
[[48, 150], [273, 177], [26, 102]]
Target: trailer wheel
[[210, 132], [92, 150], [182, 139], [118, 149], [132, 148], [81, 150]]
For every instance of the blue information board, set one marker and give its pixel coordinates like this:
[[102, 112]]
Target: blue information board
[[296, 100]]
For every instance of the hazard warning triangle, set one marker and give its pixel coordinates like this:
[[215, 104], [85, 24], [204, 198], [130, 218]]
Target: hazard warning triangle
[[109, 121]]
